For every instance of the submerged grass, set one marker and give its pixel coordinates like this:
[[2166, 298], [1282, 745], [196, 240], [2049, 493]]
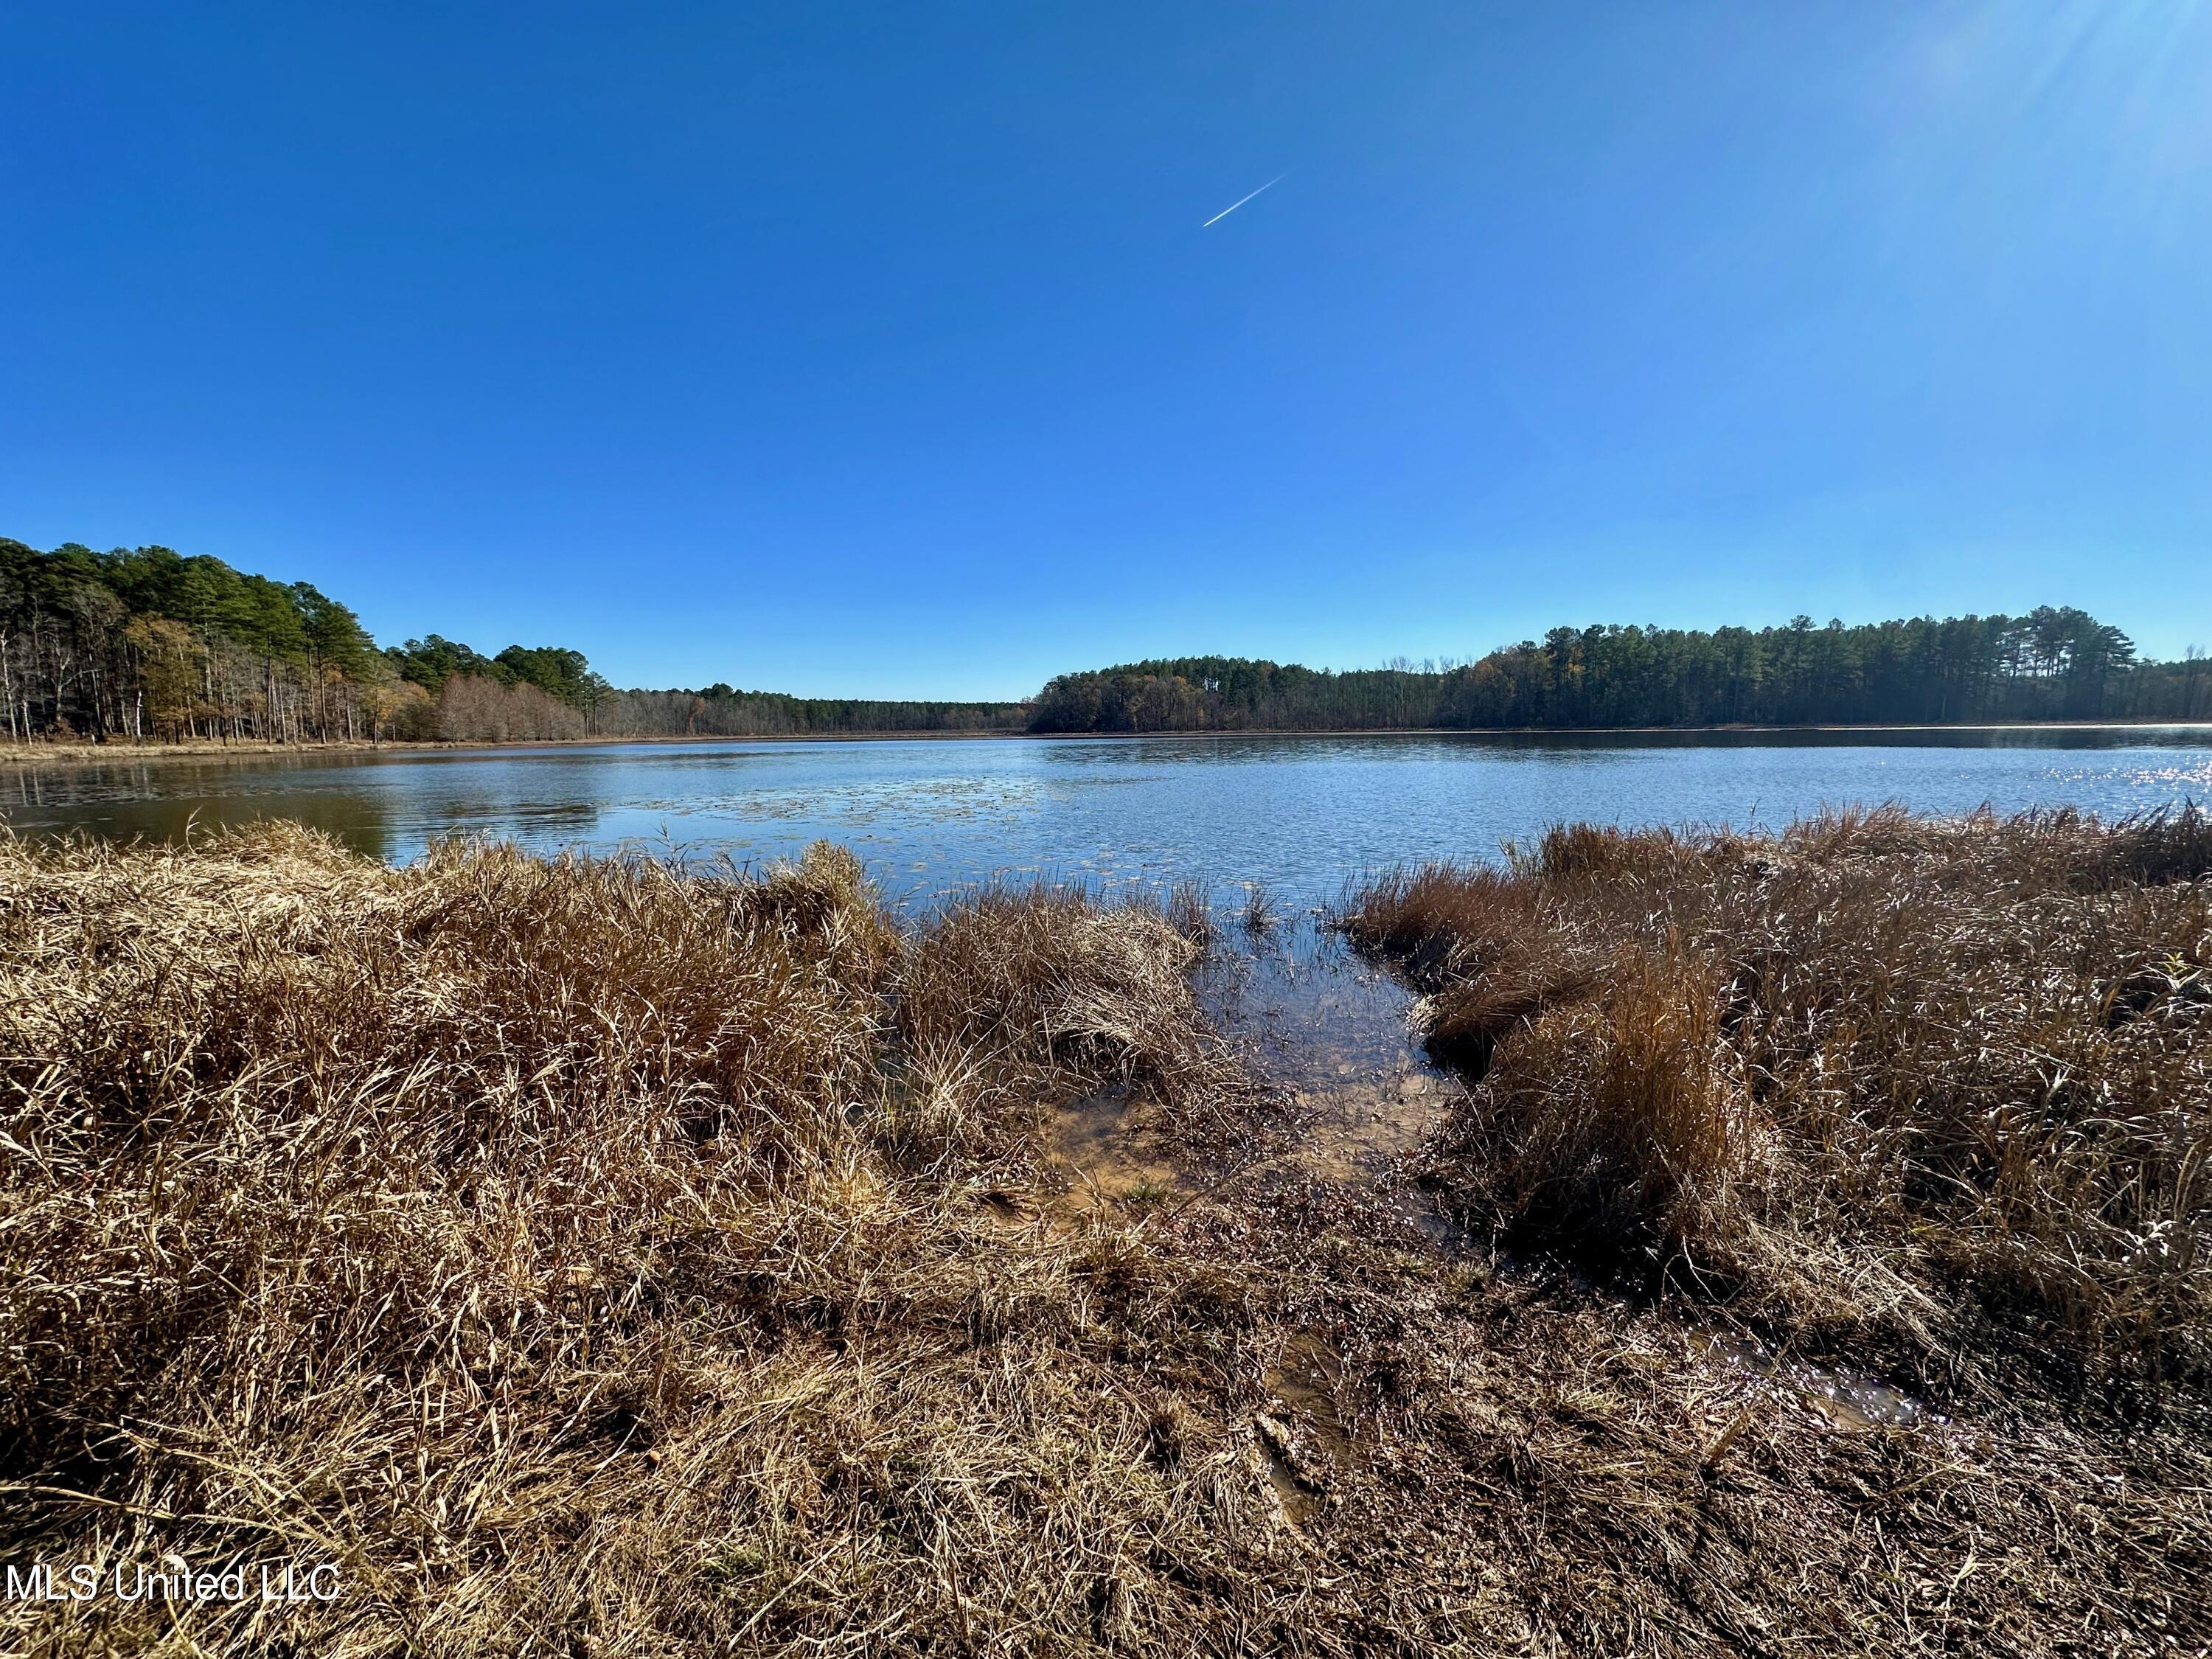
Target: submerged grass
[[595, 1258]]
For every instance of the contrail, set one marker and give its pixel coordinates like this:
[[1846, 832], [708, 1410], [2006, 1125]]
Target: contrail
[[1240, 200]]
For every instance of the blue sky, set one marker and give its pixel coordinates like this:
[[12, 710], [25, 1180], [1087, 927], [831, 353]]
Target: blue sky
[[879, 349]]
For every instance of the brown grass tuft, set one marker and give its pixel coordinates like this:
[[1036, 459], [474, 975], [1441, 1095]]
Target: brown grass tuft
[[536, 1240], [1625, 1112], [1014, 997], [1877, 1066]]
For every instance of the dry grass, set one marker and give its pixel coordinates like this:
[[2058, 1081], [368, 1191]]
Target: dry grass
[[1014, 995], [1936, 1085], [1631, 1109], [535, 1239], [591, 1257]]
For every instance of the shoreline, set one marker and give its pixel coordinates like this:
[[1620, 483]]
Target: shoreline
[[66, 754], [1644, 731], [97, 753]]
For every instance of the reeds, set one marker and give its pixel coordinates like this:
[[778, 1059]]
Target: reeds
[[538, 1241], [1263, 911], [1013, 995], [1944, 1083]]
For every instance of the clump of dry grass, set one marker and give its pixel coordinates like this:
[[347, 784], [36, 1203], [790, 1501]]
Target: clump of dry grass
[[1012, 996], [1488, 950], [1850, 1071], [1189, 911], [1263, 911], [1629, 1110], [541, 1240]]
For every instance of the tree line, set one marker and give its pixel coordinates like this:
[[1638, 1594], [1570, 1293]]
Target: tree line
[[150, 644], [2050, 665], [719, 711]]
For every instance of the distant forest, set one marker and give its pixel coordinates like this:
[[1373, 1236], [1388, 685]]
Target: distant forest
[[150, 644], [147, 643], [2051, 665]]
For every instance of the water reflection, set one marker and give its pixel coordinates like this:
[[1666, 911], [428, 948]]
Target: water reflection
[[1301, 813], [138, 802]]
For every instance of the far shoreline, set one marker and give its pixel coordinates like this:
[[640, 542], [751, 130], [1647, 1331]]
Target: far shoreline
[[80, 753]]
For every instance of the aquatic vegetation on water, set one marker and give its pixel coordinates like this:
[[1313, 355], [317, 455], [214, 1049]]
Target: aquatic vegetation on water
[[600, 1258]]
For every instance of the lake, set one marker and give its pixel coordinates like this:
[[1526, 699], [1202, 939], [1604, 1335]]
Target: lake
[[1301, 813]]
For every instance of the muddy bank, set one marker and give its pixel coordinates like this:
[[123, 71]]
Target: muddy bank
[[1345, 1094]]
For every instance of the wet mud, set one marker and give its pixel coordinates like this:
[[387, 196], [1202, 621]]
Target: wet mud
[[1332, 1036], [1329, 1040]]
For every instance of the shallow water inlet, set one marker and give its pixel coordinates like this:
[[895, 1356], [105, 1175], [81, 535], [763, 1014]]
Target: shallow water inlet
[[1335, 1034], [1328, 1037], [1111, 1150]]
